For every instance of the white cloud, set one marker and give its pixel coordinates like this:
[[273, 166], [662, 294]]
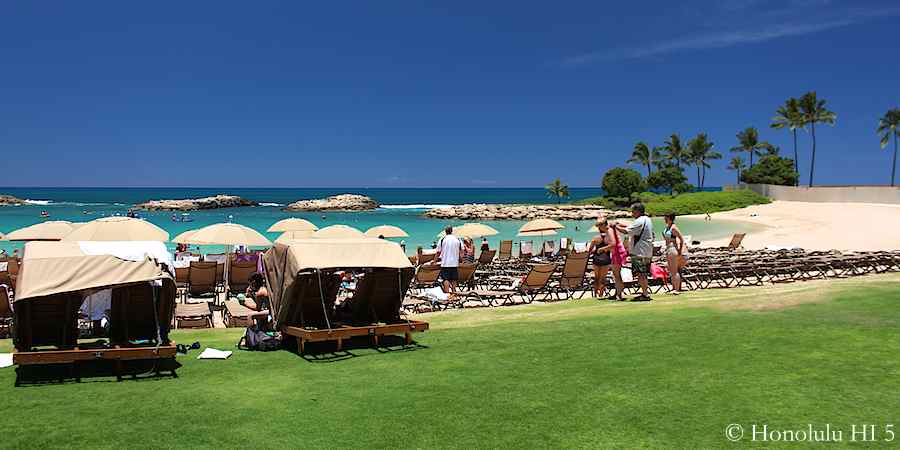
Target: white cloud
[[730, 38]]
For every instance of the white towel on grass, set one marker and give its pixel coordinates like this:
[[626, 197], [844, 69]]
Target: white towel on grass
[[5, 360], [211, 353]]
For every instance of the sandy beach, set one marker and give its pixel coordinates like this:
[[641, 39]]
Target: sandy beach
[[818, 226]]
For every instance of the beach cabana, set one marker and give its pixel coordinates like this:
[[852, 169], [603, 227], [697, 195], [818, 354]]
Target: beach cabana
[[303, 285], [57, 277]]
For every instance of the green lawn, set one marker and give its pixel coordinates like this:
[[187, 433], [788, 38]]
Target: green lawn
[[673, 373]]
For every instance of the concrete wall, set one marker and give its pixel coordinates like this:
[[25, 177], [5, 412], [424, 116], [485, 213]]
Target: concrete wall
[[848, 194]]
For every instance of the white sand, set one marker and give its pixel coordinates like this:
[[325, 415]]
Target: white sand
[[818, 226]]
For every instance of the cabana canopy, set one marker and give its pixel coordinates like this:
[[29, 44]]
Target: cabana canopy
[[57, 267], [286, 260]]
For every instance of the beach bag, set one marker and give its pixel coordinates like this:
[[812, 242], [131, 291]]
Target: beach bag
[[257, 340]]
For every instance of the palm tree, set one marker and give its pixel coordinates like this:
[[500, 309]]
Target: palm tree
[[736, 163], [675, 150], [814, 111], [642, 155], [558, 190], [750, 143], [659, 157], [789, 116], [887, 126], [701, 152]]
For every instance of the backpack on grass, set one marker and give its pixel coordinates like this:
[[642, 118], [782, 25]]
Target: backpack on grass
[[258, 340]]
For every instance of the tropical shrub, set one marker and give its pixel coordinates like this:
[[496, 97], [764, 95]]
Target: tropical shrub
[[772, 170], [622, 182]]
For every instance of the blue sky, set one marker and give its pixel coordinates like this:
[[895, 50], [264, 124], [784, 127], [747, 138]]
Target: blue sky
[[416, 94]]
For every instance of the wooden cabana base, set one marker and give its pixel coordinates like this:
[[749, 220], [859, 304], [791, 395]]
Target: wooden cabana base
[[116, 354], [346, 332]]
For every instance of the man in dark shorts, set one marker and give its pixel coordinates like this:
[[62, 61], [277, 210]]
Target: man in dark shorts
[[640, 234], [448, 254]]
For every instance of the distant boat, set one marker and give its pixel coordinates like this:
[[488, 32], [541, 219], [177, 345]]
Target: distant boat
[[185, 217], [45, 214]]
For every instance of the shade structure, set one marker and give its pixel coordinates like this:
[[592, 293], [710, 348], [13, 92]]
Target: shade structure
[[56, 267], [183, 237], [292, 224], [541, 225], [388, 231], [117, 229], [537, 233], [227, 234], [338, 232], [286, 262], [293, 235], [53, 230]]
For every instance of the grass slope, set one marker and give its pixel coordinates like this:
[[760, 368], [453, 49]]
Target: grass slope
[[583, 373]]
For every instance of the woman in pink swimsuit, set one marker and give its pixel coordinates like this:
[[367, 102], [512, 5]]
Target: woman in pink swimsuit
[[613, 244]]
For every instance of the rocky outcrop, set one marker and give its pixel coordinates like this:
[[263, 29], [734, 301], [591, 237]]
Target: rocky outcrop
[[343, 202], [192, 204], [10, 200], [523, 212]]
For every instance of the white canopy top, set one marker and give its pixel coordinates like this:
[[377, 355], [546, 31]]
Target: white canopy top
[[324, 253]]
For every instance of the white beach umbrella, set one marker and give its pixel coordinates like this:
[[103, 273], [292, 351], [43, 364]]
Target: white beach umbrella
[[291, 235], [388, 231], [183, 237], [227, 234], [541, 225], [117, 229], [292, 224], [338, 232], [53, 230]]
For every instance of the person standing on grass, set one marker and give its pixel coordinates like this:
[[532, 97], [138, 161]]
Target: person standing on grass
[[675, 252], [640, 234], [448, 255]]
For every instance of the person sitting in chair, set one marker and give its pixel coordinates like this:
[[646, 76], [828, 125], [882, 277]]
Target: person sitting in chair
[[257, 297]]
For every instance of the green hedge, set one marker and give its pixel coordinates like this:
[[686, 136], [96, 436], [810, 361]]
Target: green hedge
[[684, 204]]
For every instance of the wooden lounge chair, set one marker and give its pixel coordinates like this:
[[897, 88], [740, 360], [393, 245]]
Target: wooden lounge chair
[[505, 251], [486, 257], [238, 315], [736, 240], [132, 305], [239, 276], [193, 315], [202, 280], [378, 296], [534, 284], [572, 278], [426, 276], [181, 277]]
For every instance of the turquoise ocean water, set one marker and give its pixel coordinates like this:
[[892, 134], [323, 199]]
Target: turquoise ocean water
[[400, 206]]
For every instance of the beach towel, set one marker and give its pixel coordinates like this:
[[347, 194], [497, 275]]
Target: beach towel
[[211, 353], [5, 360], [435, 294], [4, 266], [658, 272], [97, 304], [526, 248], [217, 258], [130, 251]]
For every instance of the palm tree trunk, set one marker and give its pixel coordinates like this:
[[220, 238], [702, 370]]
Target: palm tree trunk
[[648, 169], [894, 164], [796, 158], [698, 176], [812, 162], [703, 179], [739, 177], [751, 157]]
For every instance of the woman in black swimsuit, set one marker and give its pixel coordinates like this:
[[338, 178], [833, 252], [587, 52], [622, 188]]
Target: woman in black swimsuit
[[600, 258]]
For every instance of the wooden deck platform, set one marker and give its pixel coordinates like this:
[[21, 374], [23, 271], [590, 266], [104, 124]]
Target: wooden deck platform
[[346, 332]]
